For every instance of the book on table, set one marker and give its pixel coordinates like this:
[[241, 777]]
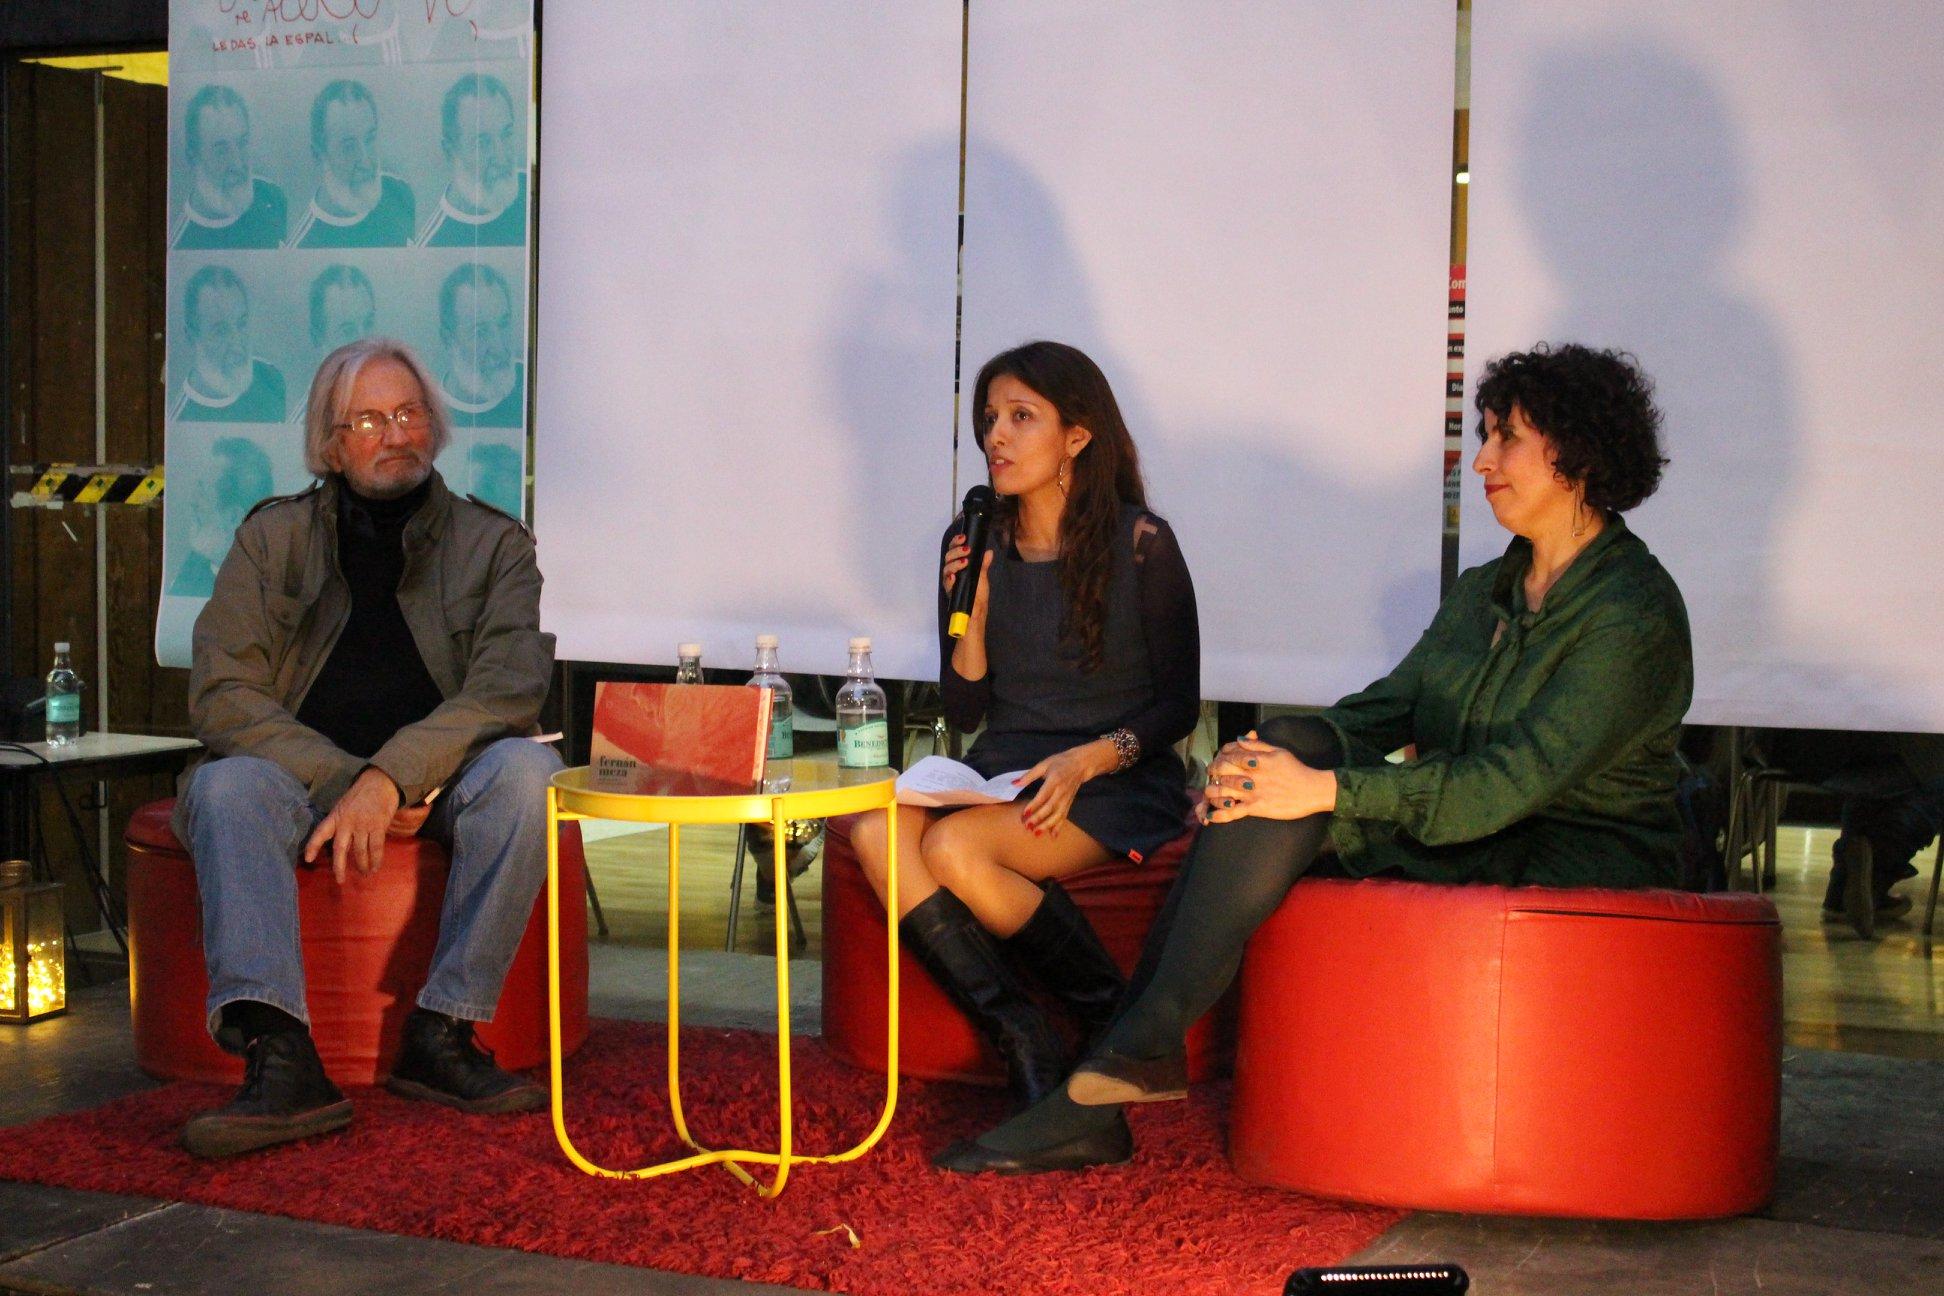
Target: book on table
[[937, 782], [679, 739]]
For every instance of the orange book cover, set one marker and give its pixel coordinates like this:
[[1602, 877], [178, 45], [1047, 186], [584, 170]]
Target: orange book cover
[[644, 732]]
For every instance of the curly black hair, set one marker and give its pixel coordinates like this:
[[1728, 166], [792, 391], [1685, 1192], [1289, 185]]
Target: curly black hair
[[1596, 407]]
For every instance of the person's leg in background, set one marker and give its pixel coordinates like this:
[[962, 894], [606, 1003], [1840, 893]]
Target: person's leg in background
[[1876, 850], [1891, 787]]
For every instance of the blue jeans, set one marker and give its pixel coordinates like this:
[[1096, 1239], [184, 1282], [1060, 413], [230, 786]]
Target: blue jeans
[[248, 819]]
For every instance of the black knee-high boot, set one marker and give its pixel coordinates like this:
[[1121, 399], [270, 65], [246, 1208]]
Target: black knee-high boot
[[1234, 878], [1061, 949], [964, 959]]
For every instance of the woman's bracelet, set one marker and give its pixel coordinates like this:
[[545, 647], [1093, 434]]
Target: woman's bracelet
[[1128, 745]]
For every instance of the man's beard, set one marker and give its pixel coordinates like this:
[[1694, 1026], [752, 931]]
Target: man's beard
[[230, 377], [485, 191], [391, 479], [354, 199], [226, 199]]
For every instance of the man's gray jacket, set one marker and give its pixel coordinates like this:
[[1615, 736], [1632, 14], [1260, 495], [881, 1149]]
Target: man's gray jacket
[[471, 597]]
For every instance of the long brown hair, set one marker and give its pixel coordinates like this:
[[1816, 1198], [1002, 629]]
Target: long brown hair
[[1106, 475]]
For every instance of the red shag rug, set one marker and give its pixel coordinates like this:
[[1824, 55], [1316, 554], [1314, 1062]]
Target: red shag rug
[[1174, 1220]]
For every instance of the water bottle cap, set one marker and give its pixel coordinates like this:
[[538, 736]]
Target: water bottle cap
[[862, 643], [766, 641], [688, 650], [60, 646]]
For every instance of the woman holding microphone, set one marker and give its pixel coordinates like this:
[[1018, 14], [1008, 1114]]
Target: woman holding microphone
[[1544, 703], [1082, 658]]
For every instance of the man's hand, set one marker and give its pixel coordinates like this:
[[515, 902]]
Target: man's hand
[[356, 826]]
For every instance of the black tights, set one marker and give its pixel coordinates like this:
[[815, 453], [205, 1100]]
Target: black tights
[[1233, 879]]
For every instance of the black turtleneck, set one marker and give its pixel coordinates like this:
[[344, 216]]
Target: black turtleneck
[[374, 683]]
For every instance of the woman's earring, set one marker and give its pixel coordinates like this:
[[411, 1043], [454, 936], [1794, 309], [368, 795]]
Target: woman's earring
[[1580, 516], [1062, 479]]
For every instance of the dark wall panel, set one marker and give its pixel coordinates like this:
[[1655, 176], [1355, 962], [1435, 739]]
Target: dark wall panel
[[61, 390], [63, 287], [142, 695]]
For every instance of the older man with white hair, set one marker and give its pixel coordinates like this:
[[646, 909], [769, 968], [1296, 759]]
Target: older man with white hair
[[370, 641]]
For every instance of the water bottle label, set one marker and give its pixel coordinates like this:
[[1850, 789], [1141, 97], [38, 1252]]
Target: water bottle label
[[64, 708], [782, 739], [865, 746]]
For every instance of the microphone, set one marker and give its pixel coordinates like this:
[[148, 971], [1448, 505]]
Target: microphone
[[977, 512]]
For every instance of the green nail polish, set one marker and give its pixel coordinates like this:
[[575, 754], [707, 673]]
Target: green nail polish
[[1251, 762], [1248, 785], [1227, 803]]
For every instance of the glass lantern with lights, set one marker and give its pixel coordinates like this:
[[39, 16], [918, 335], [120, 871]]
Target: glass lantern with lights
[[33, 947]]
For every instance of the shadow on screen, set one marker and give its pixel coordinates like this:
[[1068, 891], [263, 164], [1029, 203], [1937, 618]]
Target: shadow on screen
[[1634, 185], [883, 337], [1251, 473]]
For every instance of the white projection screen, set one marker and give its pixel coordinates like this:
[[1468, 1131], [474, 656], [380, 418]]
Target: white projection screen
[[1749, 195], [748, 215], [1243, 213]]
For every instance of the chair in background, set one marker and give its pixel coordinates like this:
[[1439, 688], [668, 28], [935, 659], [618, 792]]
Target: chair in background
[[1755, 806], [1937, 872], [1759, 800], [918, 717], [924, 720], [806, 837]]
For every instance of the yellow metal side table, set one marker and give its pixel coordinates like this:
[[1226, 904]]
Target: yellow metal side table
[[678, 799]]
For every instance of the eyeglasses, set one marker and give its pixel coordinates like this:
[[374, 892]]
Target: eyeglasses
[[408, 418]]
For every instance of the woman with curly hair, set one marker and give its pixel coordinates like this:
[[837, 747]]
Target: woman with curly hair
[[1083, 660], [1543, 706]]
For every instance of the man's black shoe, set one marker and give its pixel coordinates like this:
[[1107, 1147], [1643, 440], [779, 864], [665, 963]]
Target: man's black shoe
[[285, 1096], [442, 1063]]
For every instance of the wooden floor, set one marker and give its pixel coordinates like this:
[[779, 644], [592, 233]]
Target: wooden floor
[[631, 876], [1842, 992], [1883, 996]]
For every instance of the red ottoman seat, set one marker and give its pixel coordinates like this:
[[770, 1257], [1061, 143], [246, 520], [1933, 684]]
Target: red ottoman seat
[[367, 946], [935, 1041], [1513, 1050]]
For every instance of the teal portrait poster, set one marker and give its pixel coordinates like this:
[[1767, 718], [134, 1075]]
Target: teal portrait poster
[[338, 169]]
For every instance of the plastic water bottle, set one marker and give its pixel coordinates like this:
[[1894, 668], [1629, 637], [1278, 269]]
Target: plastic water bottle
[[782, 731], [688, 663], [63, 700], [863, 729]]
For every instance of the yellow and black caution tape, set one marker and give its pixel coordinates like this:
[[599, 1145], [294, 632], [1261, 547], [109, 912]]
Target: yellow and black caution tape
[[65, 483]]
